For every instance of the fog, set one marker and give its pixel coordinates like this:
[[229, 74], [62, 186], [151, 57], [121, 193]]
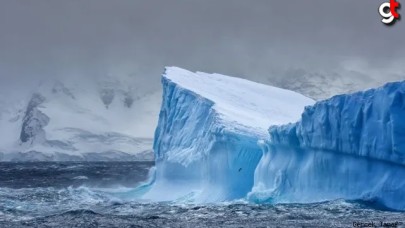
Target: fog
[[46, 39]]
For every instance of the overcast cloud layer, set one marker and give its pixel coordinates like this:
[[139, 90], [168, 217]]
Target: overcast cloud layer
[[253, 39]]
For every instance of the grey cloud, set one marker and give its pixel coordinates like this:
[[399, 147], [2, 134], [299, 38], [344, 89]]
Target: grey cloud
[[51, 38]]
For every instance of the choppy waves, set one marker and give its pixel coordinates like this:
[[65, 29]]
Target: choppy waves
[[84, 207], [92, 205]]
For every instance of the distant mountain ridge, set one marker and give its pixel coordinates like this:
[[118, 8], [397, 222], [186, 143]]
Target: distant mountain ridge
[[323, 85]]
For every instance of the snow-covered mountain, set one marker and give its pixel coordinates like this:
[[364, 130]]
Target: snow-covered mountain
[[107, 119], [321, 85]]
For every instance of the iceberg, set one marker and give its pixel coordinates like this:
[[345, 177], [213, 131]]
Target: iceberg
[[205, 143], [349, 146], [221, 138]]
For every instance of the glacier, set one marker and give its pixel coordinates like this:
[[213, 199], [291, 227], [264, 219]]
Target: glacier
[[205, 143], [221, 138]]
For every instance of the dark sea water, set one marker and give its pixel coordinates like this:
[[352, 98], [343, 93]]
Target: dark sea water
[[91, 195]]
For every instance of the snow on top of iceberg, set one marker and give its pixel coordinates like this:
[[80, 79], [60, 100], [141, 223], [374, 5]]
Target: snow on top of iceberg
[[242, 104]]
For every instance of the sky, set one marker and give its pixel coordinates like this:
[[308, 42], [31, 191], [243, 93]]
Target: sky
[[45, 39]]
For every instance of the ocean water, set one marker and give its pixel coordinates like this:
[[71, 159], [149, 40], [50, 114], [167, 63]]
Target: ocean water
[[97, 195]]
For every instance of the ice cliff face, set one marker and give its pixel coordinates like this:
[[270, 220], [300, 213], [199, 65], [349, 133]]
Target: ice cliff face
[[350, 146], [369, 124], [206, 140]]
